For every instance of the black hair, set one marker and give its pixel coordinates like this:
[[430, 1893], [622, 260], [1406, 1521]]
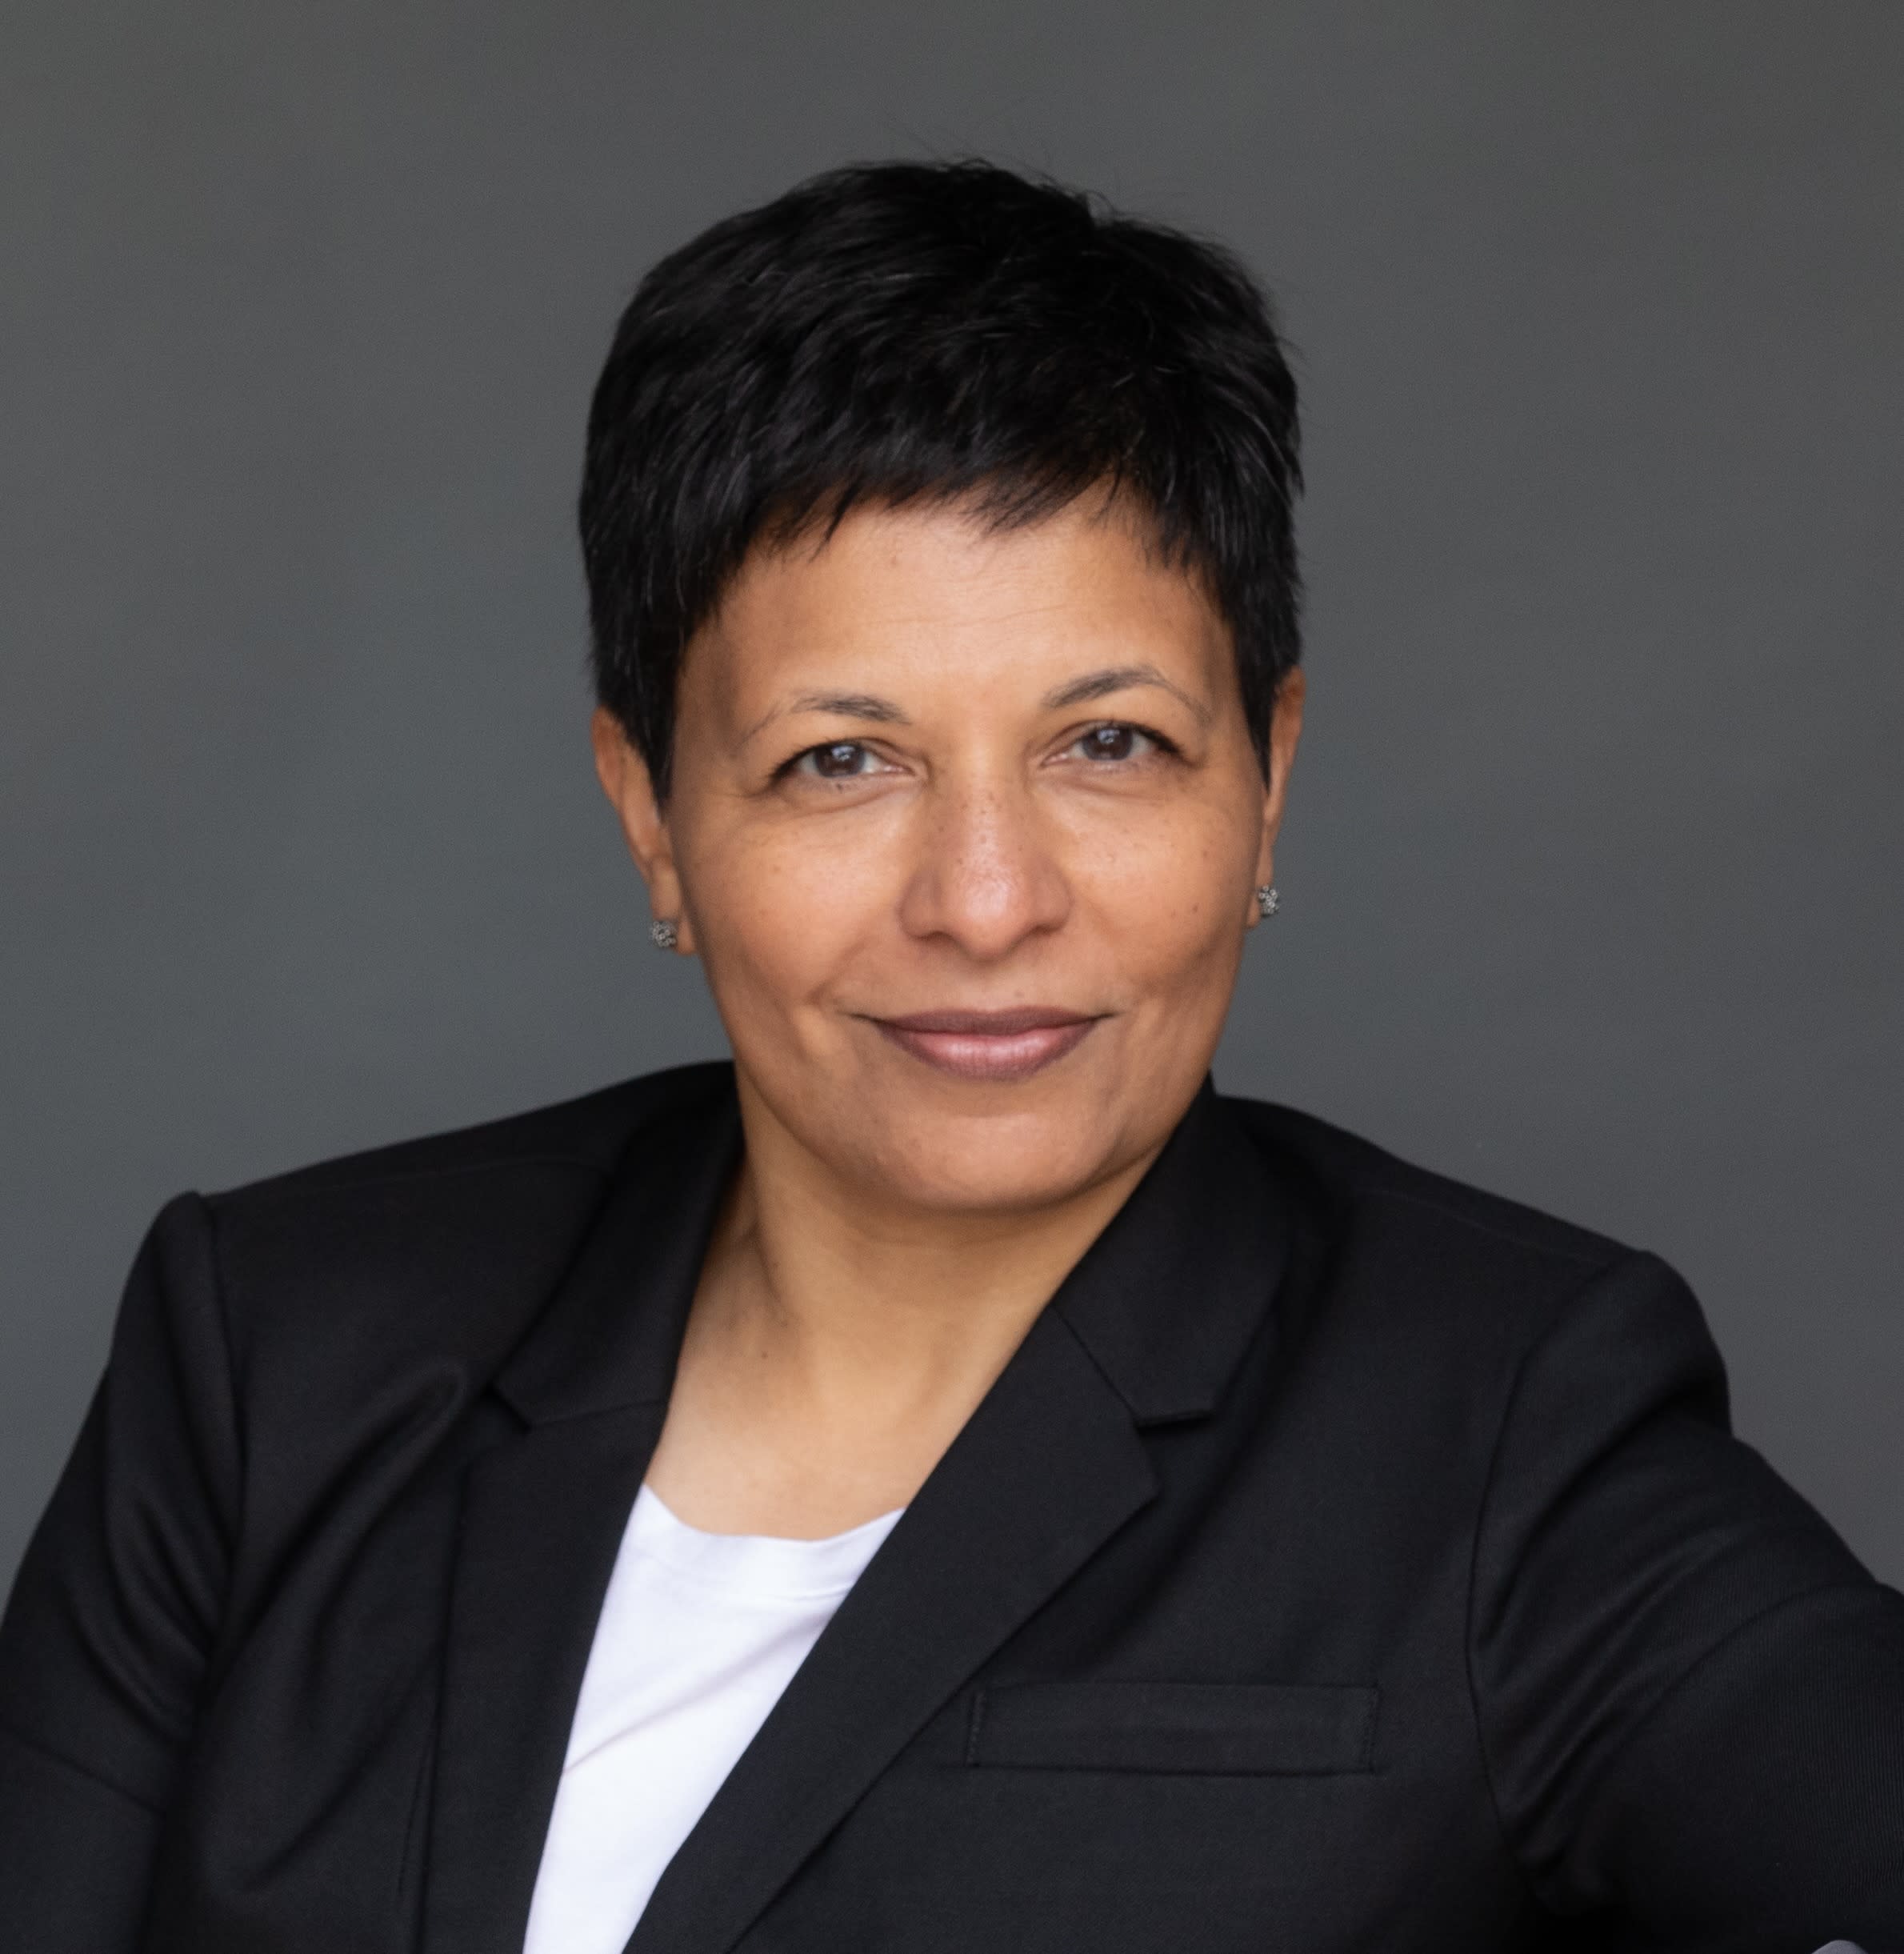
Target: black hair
[[895, 332]]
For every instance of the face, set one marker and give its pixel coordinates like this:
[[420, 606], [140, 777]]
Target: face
[[966, 827]]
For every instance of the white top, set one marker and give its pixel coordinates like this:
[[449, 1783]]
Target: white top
[[698, 1635]]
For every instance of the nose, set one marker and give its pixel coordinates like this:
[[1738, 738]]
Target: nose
[[987, 878]]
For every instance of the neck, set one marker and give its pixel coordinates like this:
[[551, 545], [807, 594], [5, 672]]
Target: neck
[[838, 1342], [842, 1283]]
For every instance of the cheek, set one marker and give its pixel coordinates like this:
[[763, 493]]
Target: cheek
[[1171, 888], [778, 914]]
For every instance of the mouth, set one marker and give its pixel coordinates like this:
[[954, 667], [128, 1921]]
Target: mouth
[[997, 1045]]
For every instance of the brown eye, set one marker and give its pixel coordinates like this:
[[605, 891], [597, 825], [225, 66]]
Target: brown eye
[[1108, 743], [1114, 743], [841, 759]]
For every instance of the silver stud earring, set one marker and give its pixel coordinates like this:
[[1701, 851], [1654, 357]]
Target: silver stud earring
[[1268, 901], [665, 933]]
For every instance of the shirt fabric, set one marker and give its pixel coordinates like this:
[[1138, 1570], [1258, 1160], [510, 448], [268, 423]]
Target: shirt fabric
[[698, 1635]]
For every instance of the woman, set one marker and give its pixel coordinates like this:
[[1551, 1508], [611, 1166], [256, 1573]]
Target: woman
[[949, 1480]]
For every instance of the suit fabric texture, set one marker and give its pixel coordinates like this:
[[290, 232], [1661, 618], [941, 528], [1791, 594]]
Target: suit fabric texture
[[1346, 1560]]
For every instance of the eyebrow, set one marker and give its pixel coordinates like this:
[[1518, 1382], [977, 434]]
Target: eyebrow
[[842, 705], [1073, 692], [1119, 678]]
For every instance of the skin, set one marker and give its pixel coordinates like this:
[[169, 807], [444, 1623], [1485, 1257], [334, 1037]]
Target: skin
[[922, 767]]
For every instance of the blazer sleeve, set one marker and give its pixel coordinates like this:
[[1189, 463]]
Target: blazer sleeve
[[1690, 1695], [105, 1644]]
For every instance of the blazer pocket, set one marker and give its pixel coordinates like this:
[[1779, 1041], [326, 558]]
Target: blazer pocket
[[1257, 1729]]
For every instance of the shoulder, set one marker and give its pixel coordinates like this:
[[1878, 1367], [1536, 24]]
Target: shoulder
[[443, 1247], [1363, 1185], [588, 1133], [1452, 1271]]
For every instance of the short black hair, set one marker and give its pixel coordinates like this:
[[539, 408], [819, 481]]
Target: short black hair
[[894, 332]]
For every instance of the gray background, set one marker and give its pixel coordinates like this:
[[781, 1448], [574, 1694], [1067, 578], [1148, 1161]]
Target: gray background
[[1593, 867]]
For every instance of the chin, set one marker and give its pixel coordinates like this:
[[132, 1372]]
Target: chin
[[906, 1139], [994, 1165]]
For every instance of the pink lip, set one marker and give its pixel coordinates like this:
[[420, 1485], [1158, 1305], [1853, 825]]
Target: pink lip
[[989, 1044]]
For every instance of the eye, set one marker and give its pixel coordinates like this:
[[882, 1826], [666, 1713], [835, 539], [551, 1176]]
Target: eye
[[1117, 742], [839, 759]]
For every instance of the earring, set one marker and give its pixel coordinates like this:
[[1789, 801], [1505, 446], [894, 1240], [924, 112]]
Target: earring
[[1268, 901], [665, 933]]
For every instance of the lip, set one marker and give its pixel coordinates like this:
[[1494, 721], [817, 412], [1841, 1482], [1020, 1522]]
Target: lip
[[991, 1045]]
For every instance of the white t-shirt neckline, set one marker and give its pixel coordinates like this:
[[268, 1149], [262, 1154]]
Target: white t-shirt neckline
[[698, 1635], [753, 1567]]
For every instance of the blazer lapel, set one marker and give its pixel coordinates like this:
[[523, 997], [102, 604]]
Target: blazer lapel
[[1046, 1471], [543, 1516], [1146, 1330], [544, 1509]]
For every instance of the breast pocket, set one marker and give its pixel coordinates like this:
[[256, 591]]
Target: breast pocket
[[1242, 1729]]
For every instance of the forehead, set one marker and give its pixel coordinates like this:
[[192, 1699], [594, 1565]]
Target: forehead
[[932, 594]]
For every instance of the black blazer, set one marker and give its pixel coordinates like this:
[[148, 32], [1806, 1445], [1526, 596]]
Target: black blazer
[[1346, 1561]]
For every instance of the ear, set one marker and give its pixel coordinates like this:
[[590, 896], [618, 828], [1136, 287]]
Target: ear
[[630, 790], [1286, 732]]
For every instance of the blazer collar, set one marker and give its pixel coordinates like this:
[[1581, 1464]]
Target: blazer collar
[[610, 1340], [1163, 1301], [1167, 1296]]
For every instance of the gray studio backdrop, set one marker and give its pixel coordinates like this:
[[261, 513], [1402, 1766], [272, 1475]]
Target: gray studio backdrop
[[1592, 875]]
